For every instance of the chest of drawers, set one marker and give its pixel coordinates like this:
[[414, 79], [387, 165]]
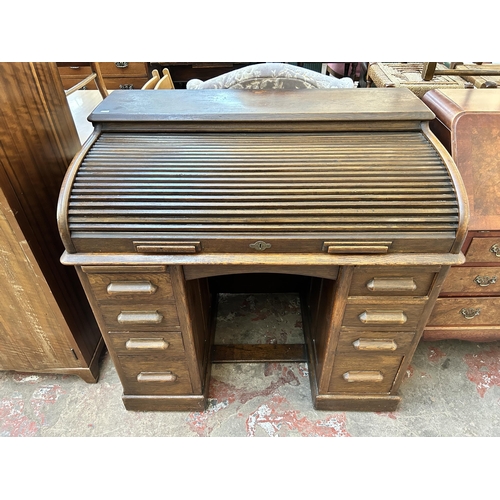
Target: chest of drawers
[[347, 190], [117, 75], [468, 124]]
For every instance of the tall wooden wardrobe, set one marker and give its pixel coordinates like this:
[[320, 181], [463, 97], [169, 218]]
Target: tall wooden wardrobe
[[46, 324]]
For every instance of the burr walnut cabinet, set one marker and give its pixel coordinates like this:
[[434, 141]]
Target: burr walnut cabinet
[[468, 124], [46, 324], [178, 196]]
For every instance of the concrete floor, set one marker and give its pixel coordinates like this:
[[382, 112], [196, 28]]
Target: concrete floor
[[452, 389]]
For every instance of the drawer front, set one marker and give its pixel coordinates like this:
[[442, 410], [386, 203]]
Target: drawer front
[[476, 280], [169, 345], [75, 71], [128, 83], [367, 373], [141, 317], [365, 343], [372, 315], [149, 375], [466, 312], [132, 288], [121, 69], [484, 250], [381, 281]]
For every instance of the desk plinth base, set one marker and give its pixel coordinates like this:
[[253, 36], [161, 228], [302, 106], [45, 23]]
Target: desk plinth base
[[356, 403], [164, 403]]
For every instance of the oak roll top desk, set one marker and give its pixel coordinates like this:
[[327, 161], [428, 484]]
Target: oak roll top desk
[[346, 188]]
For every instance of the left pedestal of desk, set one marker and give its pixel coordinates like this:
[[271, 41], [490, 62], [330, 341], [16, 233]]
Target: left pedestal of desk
[[157, 329]]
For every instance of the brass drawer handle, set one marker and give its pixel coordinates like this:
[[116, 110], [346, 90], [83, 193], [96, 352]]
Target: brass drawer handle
[[375, 345], [470, 313], [156, 377], [363, 376], [391, 285], [495, 249], [383, 317], [121, 64], [139, 317], [118, 287], [140, 344], [485, 280]]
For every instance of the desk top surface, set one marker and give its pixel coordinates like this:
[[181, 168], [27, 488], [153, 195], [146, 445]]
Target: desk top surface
[[261, 105]]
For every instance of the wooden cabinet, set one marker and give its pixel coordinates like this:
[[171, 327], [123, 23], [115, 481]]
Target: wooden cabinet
[[117, 75], [468, 124], [46, 324]]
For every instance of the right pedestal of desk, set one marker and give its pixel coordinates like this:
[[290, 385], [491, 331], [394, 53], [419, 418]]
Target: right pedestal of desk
[[468, 124]]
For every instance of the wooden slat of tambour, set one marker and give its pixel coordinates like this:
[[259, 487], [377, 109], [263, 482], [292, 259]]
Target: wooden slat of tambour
[[259, 182]]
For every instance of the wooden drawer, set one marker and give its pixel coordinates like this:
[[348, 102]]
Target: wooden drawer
[[169, 345], [467, 312], [148, 375], [128, 83], [139, 288], [395, 315], [476, 280], [484, 250], [366, 343], [124, 69], [367, 373], [140, 318], [79, 72], [71, 82], [380, 281]]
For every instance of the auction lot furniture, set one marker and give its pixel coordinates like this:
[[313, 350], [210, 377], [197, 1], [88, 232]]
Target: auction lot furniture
[[468, 124], [176, 194], [46, 324]]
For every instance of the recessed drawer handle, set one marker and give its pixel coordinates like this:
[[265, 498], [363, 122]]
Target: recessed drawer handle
[[495, 249], [383, 317], [485, 280], [139, 344], [156, 377], [139, 317], [375, 344], [469, 313], [363, 376], [391, 285], [116, 287]]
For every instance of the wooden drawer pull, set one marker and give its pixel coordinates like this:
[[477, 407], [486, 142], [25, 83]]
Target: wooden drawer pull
[[361, 247], [469, 313], [139, 317], [167, 247], [375, 344], [485, 280], [383, 318], [156, 377], [140, 344], [116, 287], [363, 376], [391, 285]]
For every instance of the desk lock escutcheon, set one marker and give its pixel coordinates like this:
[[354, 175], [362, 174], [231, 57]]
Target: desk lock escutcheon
[[260, 245]]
